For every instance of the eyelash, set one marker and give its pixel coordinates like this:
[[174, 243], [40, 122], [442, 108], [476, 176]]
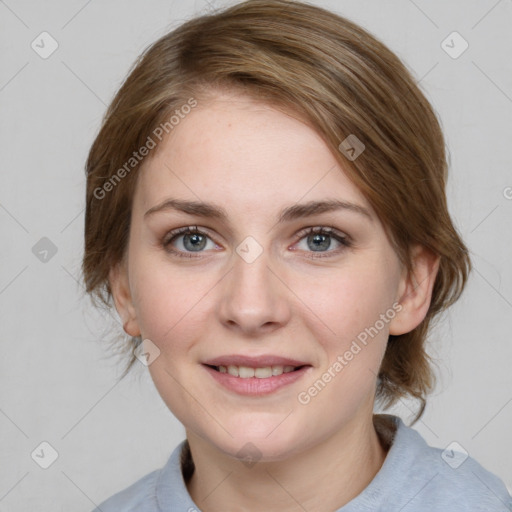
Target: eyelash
[[194, 230]]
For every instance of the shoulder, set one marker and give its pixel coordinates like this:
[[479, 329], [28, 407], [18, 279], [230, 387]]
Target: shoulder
[[430, 478], [138, 497], [162, 489], [452, 478]]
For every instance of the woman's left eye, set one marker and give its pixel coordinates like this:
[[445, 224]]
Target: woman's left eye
[[321, 238], [318, 240]]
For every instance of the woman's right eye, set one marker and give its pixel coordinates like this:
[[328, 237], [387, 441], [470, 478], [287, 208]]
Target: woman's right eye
[[190, 238]]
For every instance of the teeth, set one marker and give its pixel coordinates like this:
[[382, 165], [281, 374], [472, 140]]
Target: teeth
[[245, 372], [263, 373], [277, 370], [233, 370]]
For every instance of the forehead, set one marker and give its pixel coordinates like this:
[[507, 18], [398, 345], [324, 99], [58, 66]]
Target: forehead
[[245, 155]]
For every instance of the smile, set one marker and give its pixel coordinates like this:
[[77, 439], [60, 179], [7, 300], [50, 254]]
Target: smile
[[246, 372], [260, 381]]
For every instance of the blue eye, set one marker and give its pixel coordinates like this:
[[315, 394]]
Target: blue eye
[[194, 240], [321, 238]]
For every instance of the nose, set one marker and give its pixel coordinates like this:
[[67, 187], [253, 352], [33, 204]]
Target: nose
[[255, 298]]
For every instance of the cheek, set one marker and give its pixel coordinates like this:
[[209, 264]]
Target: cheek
[[345, 301], [353, 344], [168, 302], [349, 312]]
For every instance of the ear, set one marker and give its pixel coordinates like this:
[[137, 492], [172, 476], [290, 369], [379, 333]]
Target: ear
[[120, 287], [415, 291]]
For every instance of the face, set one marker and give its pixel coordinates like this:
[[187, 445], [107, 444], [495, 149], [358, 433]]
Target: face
[[258, 281]]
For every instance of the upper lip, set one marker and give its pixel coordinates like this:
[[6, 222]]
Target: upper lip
[[253, 361]]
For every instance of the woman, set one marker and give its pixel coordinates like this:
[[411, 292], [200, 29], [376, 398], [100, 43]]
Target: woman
[[266, 209]]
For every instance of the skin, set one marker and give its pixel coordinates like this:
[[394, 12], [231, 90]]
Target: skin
[[254, 160]]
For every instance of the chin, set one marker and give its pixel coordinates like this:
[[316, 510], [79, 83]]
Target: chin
[[266, 440], [258, 450]]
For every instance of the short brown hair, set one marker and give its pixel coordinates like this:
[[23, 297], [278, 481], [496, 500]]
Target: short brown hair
[[339, 79]]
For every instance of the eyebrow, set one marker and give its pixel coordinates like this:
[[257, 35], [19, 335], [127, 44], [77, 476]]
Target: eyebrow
[[293, 212]]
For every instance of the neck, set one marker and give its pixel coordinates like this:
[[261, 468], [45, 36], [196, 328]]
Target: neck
[[337, 469]]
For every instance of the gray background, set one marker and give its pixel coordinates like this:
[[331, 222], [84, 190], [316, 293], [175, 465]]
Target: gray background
[[58, 381]]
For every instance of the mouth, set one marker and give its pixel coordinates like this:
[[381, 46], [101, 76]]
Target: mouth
[[263, 372], [255, 376]]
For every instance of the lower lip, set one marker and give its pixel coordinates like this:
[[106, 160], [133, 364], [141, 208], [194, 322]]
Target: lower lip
[[254, 386]]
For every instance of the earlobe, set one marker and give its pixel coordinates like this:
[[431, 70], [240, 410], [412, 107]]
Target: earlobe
[[415, 291], [120, 287]]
